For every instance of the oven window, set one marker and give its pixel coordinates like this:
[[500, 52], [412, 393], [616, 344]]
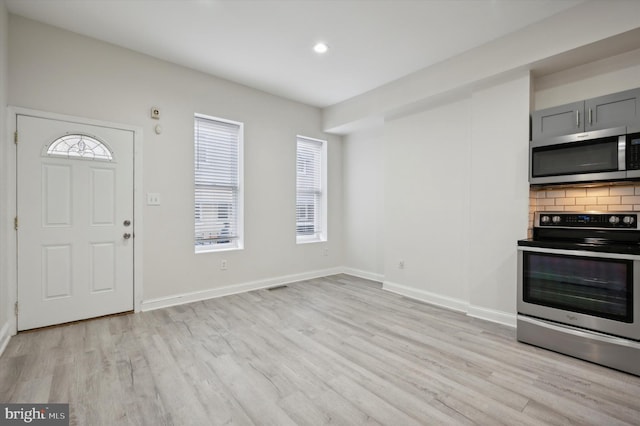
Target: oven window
[[599, 287], [575, 158]]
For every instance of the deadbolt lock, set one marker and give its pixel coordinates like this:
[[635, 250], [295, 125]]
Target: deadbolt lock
[[126, 223]]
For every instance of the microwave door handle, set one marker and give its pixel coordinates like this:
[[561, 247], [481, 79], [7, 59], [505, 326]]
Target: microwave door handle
[[622, 157], [590, 116], [577, 118]]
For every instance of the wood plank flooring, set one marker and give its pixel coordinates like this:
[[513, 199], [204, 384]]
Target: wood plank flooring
[[335, 350]]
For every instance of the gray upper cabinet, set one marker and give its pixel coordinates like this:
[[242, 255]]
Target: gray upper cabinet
[[617, 109], [557, 121], [603, 112]]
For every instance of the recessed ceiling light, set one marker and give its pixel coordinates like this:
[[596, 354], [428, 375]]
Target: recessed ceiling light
[[320, 47]]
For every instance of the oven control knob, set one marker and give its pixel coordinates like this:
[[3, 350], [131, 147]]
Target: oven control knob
[[556, 219], [545, 219], [629, 220], [614, 220]]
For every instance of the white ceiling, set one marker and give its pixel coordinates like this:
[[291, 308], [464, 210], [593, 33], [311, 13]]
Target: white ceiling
[[267, 44]]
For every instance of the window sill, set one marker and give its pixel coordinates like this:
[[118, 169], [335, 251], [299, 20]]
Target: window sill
[[215, 250], [310, 240]]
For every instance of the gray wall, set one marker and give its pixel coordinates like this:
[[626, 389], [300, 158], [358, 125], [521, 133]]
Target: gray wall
[[453, 149], [54, 70], [455, 199]]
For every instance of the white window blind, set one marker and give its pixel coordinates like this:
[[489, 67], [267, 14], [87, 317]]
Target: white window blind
[[218, 213], [310, 191]]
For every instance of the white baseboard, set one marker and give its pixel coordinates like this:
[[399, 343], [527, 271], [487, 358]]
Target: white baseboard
[[459, 305], [499, 317], [363, 274], [5, 336], [196, 296], [426, 296]]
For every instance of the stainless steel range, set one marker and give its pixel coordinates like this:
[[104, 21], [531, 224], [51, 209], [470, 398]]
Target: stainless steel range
[[578, 291]]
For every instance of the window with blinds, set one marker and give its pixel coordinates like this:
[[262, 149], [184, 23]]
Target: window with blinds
[[217, 173], [311, 203]]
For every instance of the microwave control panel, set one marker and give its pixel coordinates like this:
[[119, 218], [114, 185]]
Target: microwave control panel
[[633, 152]]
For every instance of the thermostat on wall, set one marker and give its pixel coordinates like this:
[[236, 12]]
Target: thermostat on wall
[[155, 113]]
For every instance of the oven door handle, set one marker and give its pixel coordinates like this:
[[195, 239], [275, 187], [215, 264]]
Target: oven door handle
[[583, 253]]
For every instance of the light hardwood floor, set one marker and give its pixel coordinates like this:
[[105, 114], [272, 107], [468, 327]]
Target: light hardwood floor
[[335, 350]]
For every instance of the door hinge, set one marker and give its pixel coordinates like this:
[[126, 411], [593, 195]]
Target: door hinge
[[16, 308], [15, 223], [15, 137]]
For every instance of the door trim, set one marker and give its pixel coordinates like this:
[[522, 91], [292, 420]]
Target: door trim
[[10, 236]]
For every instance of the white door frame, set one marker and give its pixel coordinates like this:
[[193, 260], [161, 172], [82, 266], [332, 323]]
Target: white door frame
[[11, 206]]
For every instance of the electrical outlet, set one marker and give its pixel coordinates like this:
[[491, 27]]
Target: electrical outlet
[[153, 199], [223, 265], [401, 264]]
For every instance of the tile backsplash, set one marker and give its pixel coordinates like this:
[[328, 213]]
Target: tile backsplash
[[613, 197]]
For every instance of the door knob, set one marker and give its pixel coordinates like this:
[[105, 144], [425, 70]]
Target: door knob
[[126, 236]]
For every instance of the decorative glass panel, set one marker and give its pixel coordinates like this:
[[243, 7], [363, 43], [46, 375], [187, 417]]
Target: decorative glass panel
[[79, 146]]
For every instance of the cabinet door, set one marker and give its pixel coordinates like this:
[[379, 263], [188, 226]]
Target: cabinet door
[[557, 121], [617, 109]]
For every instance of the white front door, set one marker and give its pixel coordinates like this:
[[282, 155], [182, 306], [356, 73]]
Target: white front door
[[75, 221]]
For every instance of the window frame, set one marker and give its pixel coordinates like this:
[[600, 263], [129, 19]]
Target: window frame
[[237, 243], [321, 236]]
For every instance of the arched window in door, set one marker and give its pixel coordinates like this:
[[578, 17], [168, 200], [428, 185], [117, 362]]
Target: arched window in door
[[79, 146]]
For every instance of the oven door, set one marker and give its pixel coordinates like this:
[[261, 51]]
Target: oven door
[[590, 290]]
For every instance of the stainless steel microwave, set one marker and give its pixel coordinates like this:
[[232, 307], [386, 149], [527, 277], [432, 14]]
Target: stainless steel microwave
[[601, 155]]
